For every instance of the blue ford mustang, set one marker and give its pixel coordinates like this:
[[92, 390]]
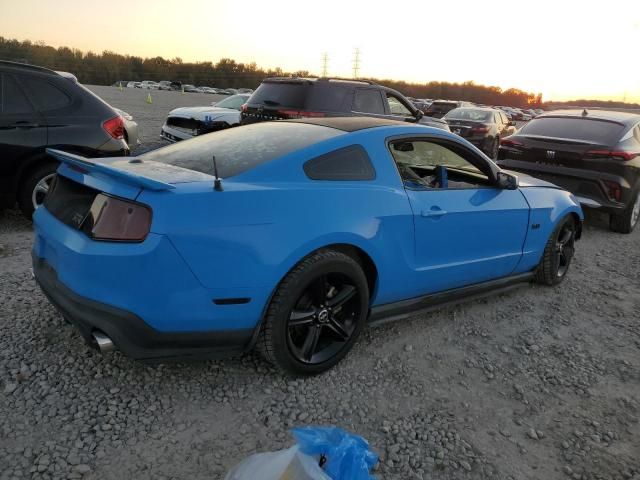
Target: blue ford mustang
[[289, 237]]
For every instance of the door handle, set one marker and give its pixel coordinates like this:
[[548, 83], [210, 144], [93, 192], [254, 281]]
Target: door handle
[[434, 212]]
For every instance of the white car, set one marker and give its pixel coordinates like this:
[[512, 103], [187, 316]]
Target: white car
[[149, 85], [187, 122]]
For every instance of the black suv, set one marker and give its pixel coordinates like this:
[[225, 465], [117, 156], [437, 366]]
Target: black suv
[[40, 108], [285, 98], [595, 154]]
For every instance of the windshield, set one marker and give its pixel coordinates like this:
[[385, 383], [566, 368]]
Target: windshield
[[240, 149], [441, 107], [469, 114], [234, 102]]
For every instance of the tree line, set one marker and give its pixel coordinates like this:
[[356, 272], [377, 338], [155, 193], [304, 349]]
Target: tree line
[[110, 67]]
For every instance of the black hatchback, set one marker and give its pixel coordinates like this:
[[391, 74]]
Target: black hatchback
[[595, 154], [40, 108], [282, 98]]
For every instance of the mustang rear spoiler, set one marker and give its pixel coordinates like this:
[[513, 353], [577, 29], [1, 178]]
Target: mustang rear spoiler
[[93, 166]]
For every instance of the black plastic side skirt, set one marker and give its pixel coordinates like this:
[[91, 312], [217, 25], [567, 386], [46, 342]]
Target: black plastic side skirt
[[398, 310]]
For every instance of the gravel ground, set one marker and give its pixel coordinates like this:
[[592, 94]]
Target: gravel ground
[[538, 383]]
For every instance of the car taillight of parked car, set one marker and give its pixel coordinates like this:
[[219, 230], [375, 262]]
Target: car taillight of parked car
[[114, 127], [117, 220], [480, 129], [612, 154], [299, 114]]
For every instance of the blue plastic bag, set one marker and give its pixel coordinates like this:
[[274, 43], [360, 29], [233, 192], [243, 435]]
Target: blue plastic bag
[[347, 456]]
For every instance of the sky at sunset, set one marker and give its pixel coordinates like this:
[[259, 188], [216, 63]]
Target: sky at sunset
[[565, 49]]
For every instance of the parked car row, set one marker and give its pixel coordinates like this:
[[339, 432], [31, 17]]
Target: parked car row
[[179, 86], [282, 98]]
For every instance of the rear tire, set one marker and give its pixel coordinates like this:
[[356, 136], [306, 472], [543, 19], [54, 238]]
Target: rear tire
[[316, 314], [627, 220], [34, 187], [493, 149], [558, 253]]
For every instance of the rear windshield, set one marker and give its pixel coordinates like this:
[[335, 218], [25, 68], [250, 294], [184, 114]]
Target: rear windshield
[[441, 107], [292, 95], [469, 114], [584, 129], [242, 148], [325, 96]]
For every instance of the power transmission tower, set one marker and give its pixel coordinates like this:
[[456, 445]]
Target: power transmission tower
[[325, 64], [356, 63]]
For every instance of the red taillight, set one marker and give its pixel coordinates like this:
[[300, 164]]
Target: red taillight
[[299, 114], [118, 220], [614, 190], [114, 127], [505, 142], [244, 108], [482, 129], [613, 154]]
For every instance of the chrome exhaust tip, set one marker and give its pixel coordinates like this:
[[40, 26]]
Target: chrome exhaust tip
[[105, 344]]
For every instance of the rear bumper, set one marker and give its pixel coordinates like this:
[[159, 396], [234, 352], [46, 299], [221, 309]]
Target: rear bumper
[[110, 286], [586, 185], [130, 334]]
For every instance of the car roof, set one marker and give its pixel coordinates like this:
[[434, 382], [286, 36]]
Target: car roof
[[26, 66], [311, 81], [349, 124], [474, 107], [611, 115]]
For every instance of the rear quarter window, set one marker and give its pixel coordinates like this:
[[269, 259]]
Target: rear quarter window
[[45, 95], [240, 149], [348, 163], [585, 129]]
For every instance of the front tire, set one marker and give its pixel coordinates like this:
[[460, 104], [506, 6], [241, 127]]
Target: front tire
[[558, 253], [35, 187], [316, 314], [627, 220]]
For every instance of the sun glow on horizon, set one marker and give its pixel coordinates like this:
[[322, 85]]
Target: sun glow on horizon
[[565, 50]]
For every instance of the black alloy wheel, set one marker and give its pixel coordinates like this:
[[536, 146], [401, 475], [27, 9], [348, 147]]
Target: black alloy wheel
[[323, 319], [316, 313], [565, 248], [558, 253]]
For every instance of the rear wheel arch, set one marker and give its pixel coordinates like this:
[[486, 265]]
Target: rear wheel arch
[[360, 256]]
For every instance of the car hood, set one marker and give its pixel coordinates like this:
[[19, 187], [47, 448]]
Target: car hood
[[200, 113], [529, 181]]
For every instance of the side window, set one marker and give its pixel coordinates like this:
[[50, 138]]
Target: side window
[[348, 163], [14, 101], [368, 100], [396, 107], [45, 95], [426, 164]]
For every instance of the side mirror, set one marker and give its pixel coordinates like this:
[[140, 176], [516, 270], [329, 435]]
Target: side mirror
[[418, 115], [507, 181]]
